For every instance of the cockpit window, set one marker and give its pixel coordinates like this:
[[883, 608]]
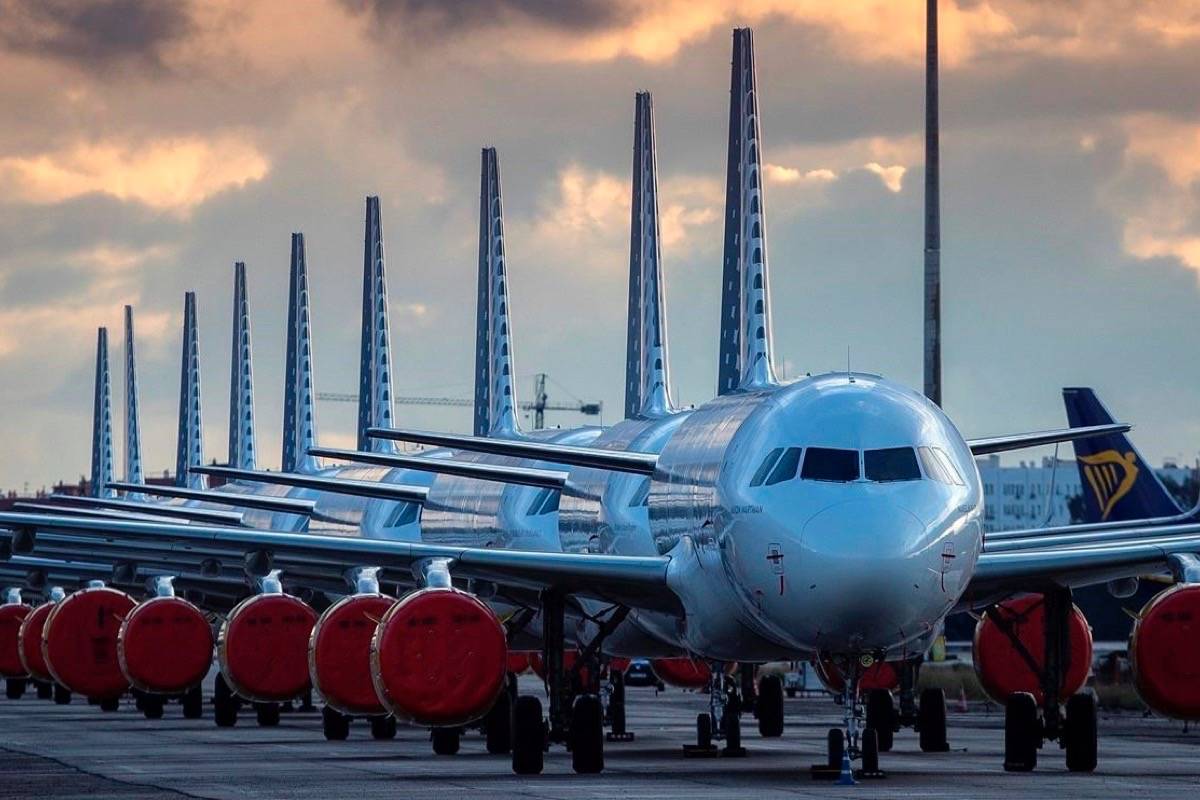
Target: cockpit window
[[544, 502], [891, 464], [765, 467], [785, 468], [938, 465], [828, 464], [948, 466], [642, 496], [404, 514]]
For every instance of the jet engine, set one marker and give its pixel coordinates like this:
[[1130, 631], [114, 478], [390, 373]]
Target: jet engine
[[79, 641], [684, 672], [519, 661], [1164, 650], [439, 658], [12, 615], [165, 646], [1010, 649], [339, 653], [263, 647], [29, 642]]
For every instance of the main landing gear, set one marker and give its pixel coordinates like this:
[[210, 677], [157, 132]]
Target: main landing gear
[[1026, 726]]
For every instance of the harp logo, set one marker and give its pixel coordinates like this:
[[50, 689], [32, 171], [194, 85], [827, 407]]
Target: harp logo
[[1110, 475]]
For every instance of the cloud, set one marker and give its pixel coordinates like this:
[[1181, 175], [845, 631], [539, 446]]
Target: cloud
[[172, 174], [892, 176], [775, 173]]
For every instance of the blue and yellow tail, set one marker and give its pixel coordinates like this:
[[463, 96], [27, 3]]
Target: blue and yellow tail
[[1118, 484]]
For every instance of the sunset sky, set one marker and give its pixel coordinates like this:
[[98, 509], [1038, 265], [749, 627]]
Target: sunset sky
[[145, 146]]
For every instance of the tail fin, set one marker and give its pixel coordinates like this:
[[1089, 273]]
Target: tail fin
[[299, 423], [242, 451], [102, 439], [745, 347], [133, 427], [495, 413], [647, 375], [375, 367], [190, 450], [1118, 484]]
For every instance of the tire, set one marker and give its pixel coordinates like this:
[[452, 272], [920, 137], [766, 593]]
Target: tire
[[498, 725], [931, 721], [587, 735], [1022, 732], [45, 691], [1080, 733], [529, 736], [110, 704], [62, 695], [791, 691], [334, 724], [881, 716], [704, 730], [193, 703], [152, 707], [835, 746], [14, 688], [770, 707], [383, 728], [268, 714], [870, 751], [225, 712], [446, 741]]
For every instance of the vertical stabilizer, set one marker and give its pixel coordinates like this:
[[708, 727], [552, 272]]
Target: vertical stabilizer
[[647, 378], [190, 450], [299, 423], [494, 406], [933, 219], [242, 450], [102, 439], [375, 367], [745, 346], [133, 427]]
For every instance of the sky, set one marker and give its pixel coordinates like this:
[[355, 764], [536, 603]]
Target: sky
[[148, 145]]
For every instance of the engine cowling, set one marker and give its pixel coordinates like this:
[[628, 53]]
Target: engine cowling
[[1164, 651], [880, 675], [339, 653], [165, 646], [683, 672], [439, 658], [29, 643], [519, 661], [1004, 668], [263, 647], [79, 641], [11, 617]]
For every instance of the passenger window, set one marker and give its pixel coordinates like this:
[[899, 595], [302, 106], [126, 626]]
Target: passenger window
[[933, 467], [765, 467], [948, 466], [891, 464], [828, 464], [785, 469]]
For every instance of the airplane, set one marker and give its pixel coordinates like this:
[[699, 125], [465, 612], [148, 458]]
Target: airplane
[[837, 516]]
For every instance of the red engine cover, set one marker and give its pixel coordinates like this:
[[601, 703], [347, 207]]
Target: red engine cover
[[439, 658], [79, 641], [339, 653], [519, 661], [687, 673], [538, 665], [1003, 669], [263, 647], [1164, 651], [11, 617], [29, 642], [165, 645], [880, 675]]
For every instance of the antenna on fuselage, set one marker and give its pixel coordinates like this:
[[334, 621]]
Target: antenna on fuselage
[[933, 226]]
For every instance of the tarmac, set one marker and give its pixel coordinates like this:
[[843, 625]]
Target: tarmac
[[78, 751]]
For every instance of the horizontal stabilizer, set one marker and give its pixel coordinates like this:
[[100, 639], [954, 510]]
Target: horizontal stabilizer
[[53, 508], [285, 505], [1020, 441], [179, 512], [384, 491], [596, 458], [523, 476]]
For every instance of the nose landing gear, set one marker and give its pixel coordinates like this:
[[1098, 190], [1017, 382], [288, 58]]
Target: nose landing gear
[[854, 740]]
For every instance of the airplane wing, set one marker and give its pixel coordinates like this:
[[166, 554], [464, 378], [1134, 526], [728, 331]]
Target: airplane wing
[[1020, 441], [637, 581]]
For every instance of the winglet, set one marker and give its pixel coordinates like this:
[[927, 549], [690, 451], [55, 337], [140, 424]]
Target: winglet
[[299, 423], [102, 440], [745, 346], [494, 409], [190, 450], [133, 428], [375, 367], [242, 451], [647, 376]]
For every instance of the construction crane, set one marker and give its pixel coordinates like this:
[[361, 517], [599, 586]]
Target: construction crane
[[539, 405]]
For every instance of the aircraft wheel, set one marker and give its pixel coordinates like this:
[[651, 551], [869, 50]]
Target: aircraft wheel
[[446, 741], [881, 716], [791, 691], [383, 728], [529, 736], [1080, 733], [334, 724], [268, 714], [587, 735], [1022, 732], [45, 691], [770, 706], [870, 751], [14, 688], [225, 713], [835, 746], [193, 703], [152, 706], [498, 725], [931, 721], [62, 695], [110, 704], [704, 730]]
